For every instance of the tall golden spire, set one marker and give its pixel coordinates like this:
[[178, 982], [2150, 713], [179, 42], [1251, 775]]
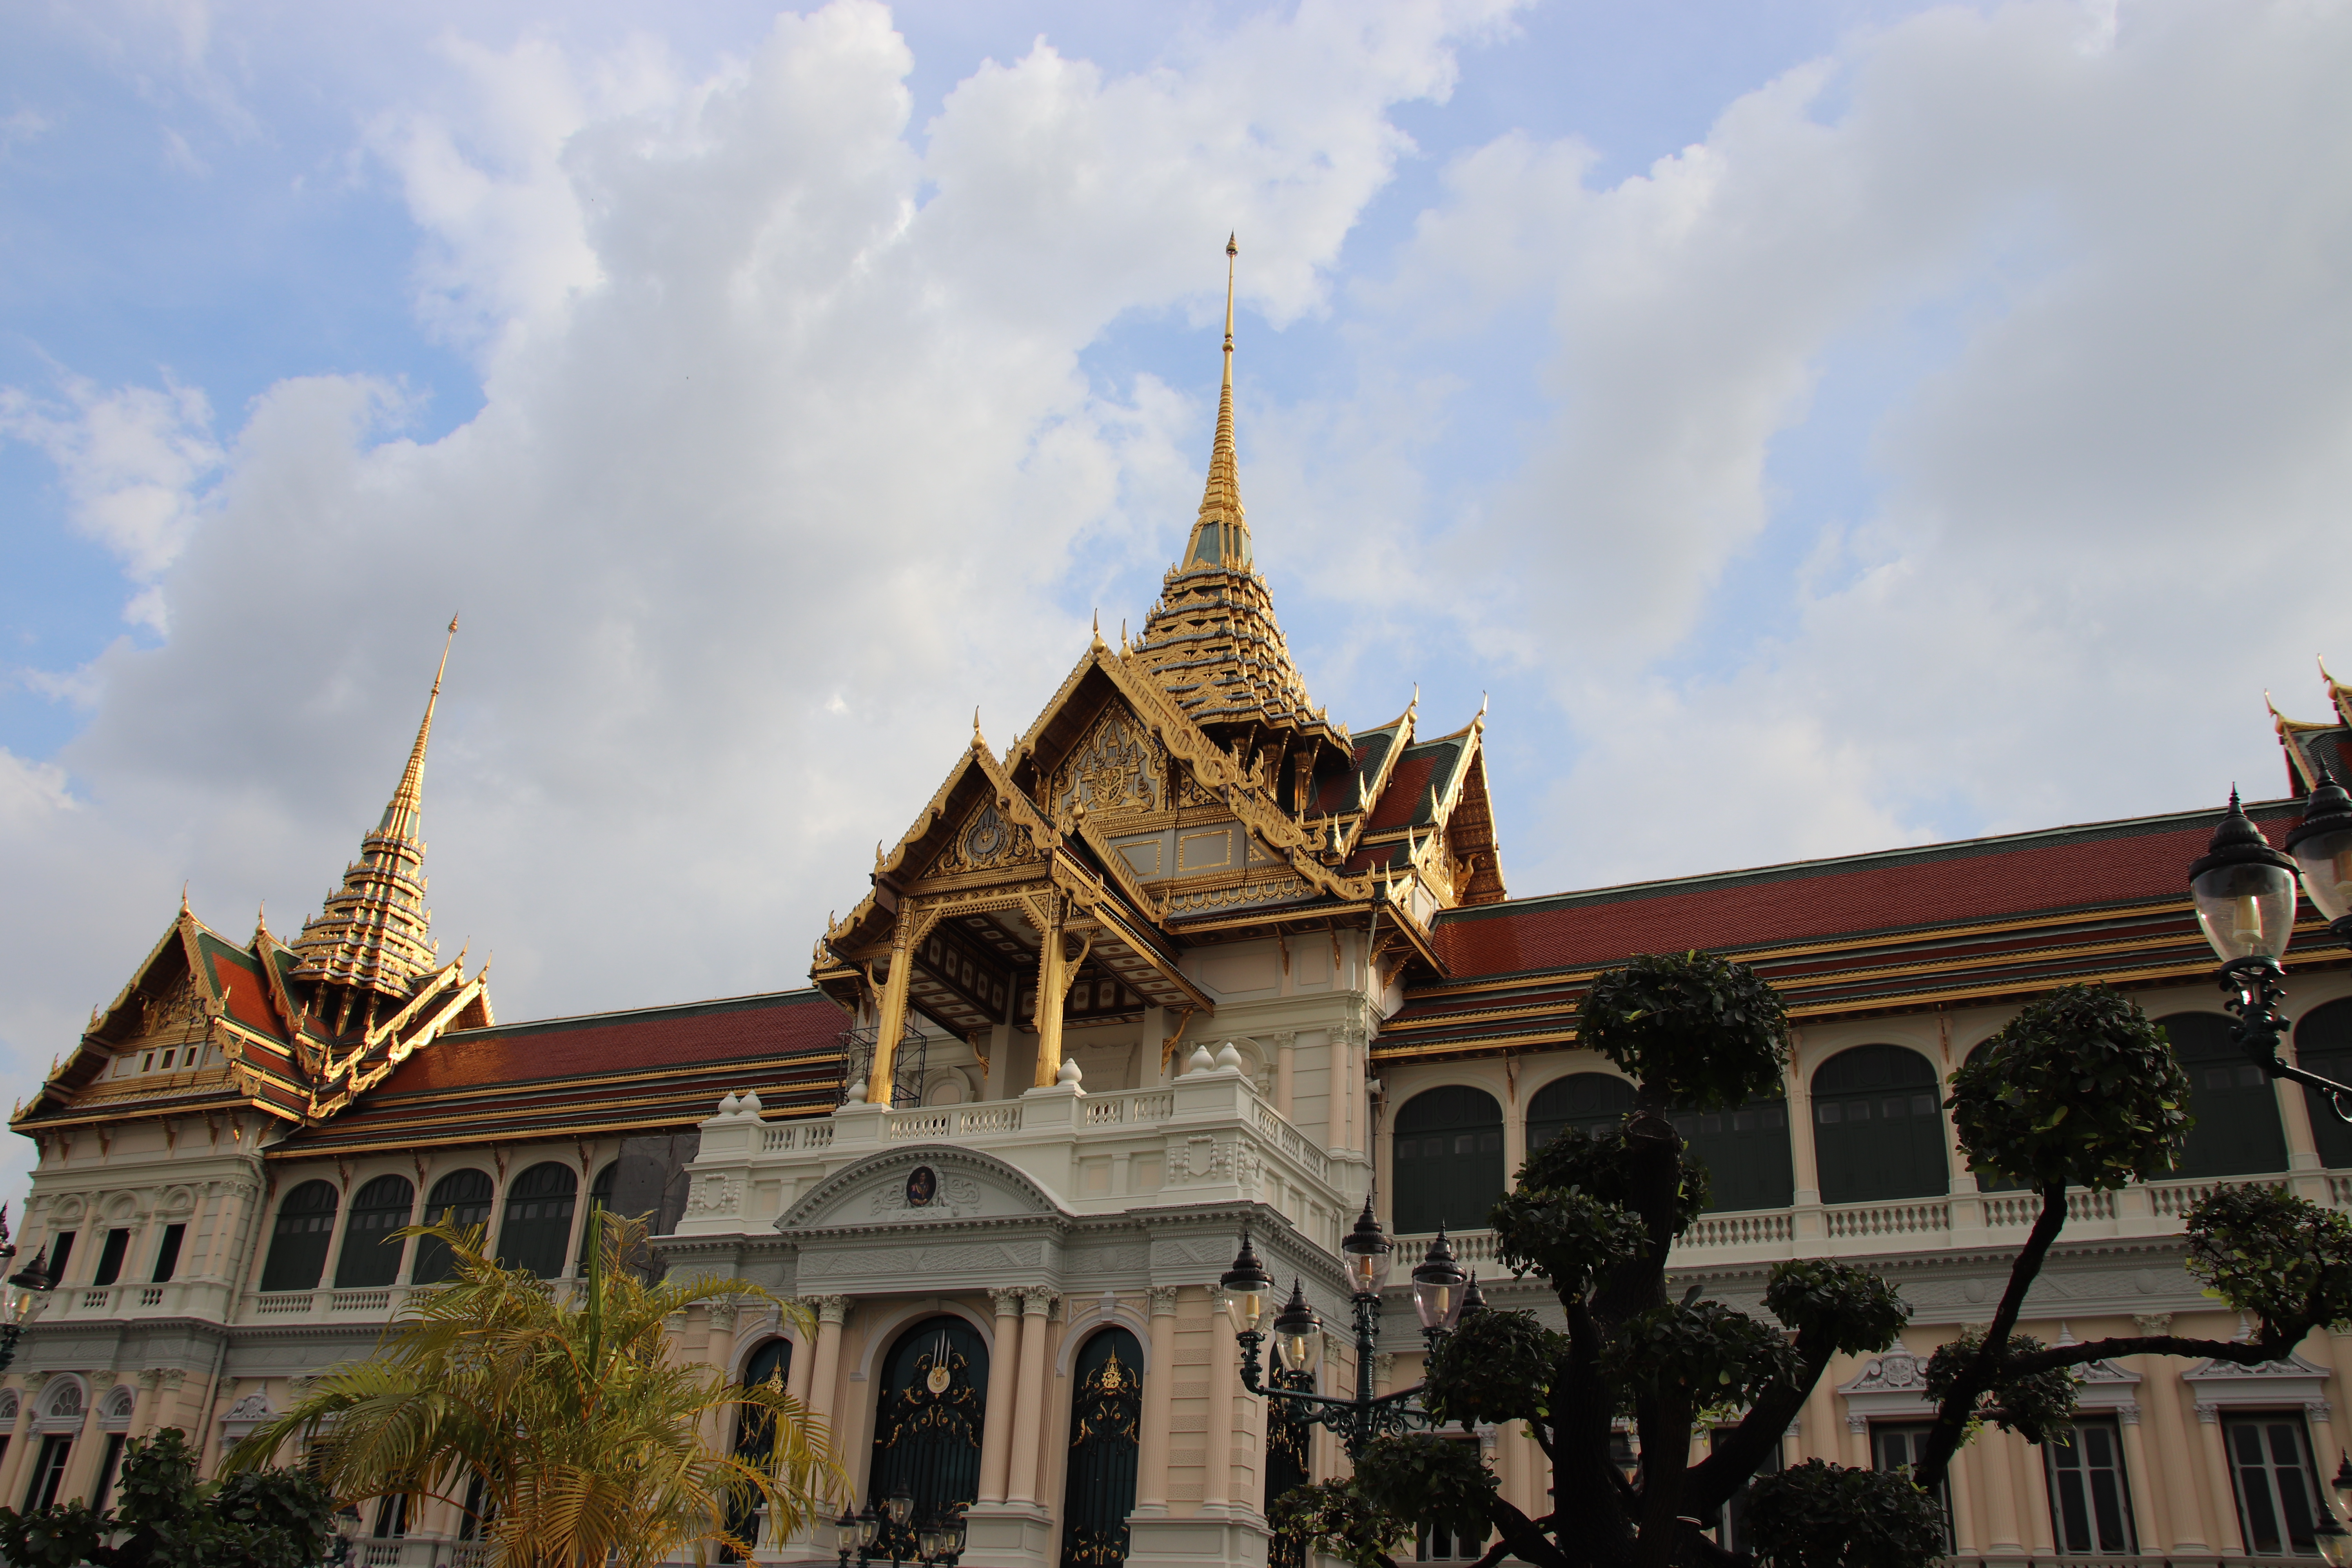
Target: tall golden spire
[[1221, 536], [374, 935]]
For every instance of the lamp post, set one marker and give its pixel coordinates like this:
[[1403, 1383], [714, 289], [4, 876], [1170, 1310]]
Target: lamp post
[[1298, 1330], [16, 1299], [938, 1537], [2244, 893]]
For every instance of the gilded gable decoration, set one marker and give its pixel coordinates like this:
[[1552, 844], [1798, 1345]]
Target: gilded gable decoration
[[986, 841], [1119, 767]]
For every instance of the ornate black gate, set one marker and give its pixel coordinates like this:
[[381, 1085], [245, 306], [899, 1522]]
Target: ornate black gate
[[1105, 1419], [927, 1426], [1287, 1460]]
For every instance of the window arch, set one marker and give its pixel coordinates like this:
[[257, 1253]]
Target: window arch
[[600, 1191], [1588, 1101], [297, 1244], [371, 1254], [1877, 1130], [2236, 1109], [1746, 1152], [461, 1197], [535, 1233], [1447, 1158], [2323, 1044]]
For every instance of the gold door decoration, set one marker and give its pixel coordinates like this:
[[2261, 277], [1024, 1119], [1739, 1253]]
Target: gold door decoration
[[1106, 1428]]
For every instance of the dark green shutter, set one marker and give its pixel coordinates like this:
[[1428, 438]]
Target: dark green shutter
[[297, 1244], [2237, 1130], [1447, 1157], [2323, 1044], [1878, 1129]]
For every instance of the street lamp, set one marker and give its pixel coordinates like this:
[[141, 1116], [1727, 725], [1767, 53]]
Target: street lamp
[[2244, 893], [1437, 1290], [1298, 1336], [847, 1533], [16, 1301]]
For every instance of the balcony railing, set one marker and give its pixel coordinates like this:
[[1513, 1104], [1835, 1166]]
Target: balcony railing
[[2153, 1208]]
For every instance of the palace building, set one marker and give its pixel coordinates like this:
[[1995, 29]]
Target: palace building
[[1188, 954]]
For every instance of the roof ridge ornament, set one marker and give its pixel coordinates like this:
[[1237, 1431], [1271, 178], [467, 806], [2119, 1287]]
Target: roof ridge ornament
[[1220, 534]]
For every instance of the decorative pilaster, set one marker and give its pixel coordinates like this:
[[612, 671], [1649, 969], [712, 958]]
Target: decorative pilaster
[[1025, 1462], [1159, 1388], [1003, 1378], [832, 1312], [2216, 1480]]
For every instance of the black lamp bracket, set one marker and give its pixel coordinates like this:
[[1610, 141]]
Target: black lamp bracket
[[2256, 986]]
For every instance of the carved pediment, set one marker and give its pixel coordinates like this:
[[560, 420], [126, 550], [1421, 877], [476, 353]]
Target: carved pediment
[[923, 1185], [986, 841], [1119, 768]]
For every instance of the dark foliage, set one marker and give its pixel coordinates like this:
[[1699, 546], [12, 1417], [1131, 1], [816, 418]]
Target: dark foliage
[[1497, 1366], [1703, 1356], [2280, 1258], [1835, 1305], [1428, 1480], [2036, 1405], [2078, 1088], [1817, 1515], [1335, 1518], [165, 1518], [1693, 1029]]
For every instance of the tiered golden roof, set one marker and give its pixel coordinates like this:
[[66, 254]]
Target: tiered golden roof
[[1211, 642], [375, 933]]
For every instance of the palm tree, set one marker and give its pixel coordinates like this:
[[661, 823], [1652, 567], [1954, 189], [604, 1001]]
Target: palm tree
[[562, 1423]]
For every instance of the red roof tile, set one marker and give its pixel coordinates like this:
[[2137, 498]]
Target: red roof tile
[[790, 1023], [1975, 880]]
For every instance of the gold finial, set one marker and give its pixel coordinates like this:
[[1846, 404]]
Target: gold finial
[[1220, 535], [183, 899], [975, 726], [1098, 633], [1122, 634], [878, 855]]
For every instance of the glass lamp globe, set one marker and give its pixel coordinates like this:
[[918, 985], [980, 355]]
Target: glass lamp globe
[[902, 1503], [869, 1525], [2321, 845], [1366, 1253], [2245, 890], [1297, 1333], [955, 1527], [926, 1537], [845, 1530], [1246, 1285], [1437, 1286]]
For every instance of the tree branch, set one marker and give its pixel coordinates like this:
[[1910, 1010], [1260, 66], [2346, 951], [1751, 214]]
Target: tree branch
[[2245, 1353], [1714, 1480], [1952, 1417]]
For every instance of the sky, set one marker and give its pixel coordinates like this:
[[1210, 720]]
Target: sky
[[1811, 425]]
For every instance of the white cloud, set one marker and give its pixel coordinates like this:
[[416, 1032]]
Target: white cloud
[[786, 459], [2116, 438]]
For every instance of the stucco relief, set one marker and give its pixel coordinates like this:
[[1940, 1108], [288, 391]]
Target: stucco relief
[[956, 1197]]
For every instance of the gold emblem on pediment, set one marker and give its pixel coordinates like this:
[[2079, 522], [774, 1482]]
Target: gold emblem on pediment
[[986, 841], [1118, 768]]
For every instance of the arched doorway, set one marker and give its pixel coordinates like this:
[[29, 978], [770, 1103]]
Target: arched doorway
[[927, 1424], [1106, 1423], [755, 1430], [1878, 1132], [2237, 1130], [298, 1246], [1448, 1160]]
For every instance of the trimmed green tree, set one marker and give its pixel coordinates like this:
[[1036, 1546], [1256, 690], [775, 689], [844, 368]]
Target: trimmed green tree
[[164, 1517], [2078, 1088]]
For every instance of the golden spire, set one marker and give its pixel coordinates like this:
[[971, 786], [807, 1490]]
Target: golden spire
[[375, 933], [1221, 536]]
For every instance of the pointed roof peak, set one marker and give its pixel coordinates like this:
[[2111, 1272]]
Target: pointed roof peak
[[374, 932], [1220, 534]]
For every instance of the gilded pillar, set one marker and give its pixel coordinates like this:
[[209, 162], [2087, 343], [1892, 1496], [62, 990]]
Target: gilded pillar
[[1003, 1375], [1053, 989], [1026, 1463], [1159, 1391], [2217, 1481], [831, 1311], [893, 1021]]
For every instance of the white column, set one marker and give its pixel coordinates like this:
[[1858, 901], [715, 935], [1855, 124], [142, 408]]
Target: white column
[[831, 1311], [1159, 1391], [1029, 1408], [1003, 1375]]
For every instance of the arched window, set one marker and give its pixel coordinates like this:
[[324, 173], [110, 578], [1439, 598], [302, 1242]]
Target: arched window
[[1588, 1101], [2236, 1109], [1448, 1160], [537, 1231], [927, 1423], [463, 1199], [1105, 1424], [2323, 1044], [297, 1244], [1746, 1152], [371, 1255], [755, 1429], [1877, 1129], [600, 1191]]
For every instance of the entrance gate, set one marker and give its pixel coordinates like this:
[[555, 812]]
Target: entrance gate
[[926, 1425], [1106, 1418]]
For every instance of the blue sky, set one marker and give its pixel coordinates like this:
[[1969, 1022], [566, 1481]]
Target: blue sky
[[1819, 427]]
